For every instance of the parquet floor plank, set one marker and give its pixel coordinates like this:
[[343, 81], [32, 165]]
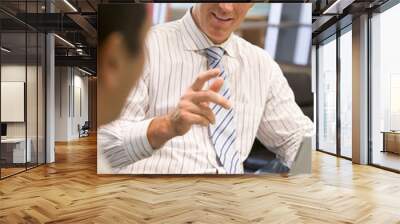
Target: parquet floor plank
[[70, 191]]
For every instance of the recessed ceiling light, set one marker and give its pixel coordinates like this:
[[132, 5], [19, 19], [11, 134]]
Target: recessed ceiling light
[[5, 50], [65, 41], [337, 7], [84, 71], [70, 5]]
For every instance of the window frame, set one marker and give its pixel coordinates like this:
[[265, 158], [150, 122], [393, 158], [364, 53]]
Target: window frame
[[333, 37]]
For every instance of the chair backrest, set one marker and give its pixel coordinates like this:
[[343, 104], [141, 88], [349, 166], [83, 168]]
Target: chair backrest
[[86, 125], [299, 80]]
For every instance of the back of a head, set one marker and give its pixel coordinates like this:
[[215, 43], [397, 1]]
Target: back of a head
[[125, 19], [121, 34]]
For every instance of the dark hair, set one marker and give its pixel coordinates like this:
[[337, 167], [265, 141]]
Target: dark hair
[[125, 19]]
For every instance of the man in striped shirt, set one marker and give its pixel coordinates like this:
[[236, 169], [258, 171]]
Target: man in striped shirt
[[204, 96]]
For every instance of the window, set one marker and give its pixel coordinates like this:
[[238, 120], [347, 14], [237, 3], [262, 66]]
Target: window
[[346, 93], [327, 96], [385, 89], [334, 94]]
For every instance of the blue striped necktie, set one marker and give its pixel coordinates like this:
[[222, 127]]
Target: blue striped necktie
[[223, 133]]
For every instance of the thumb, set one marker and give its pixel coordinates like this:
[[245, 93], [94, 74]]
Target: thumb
[[216, 85]]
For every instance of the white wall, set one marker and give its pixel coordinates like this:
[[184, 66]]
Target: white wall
[[62, 81], [71, 93], [80, 103]]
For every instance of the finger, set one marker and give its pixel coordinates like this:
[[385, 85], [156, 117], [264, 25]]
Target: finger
[[204, 77], [217, 85], [202, 110], [208, 113], [209, 96], [204, 104], [197, 119]]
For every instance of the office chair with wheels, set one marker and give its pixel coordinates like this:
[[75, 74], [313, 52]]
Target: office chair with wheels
[[84, 130]]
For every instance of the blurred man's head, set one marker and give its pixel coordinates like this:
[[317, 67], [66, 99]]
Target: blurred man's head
[[121, 29], [219, 20]]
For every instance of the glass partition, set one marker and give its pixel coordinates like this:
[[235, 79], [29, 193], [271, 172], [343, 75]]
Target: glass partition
[[22, 88], [14, 153], [31, 100], [41, 109], [33, 64]]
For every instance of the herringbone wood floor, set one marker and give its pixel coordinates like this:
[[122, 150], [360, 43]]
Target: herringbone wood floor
[[69, 191]]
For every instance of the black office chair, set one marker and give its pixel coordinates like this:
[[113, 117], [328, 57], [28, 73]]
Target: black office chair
[[299, 79], [84, 130]]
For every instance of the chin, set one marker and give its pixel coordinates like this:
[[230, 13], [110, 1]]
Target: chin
[[218, 36]]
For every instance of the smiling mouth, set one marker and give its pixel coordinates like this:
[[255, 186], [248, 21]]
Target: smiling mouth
[[221, 18]]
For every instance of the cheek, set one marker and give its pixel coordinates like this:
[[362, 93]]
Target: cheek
[[242, 14], [241, 18], [207, 21], [136, 69], [235, 25]]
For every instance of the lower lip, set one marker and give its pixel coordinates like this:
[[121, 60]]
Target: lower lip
[[221, 20]]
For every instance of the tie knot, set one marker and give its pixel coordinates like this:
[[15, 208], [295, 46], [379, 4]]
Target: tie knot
[[215, 53]]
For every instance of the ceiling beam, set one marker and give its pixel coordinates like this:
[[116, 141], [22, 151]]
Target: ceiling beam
[[76, 61], [337, 7], [86, 27]]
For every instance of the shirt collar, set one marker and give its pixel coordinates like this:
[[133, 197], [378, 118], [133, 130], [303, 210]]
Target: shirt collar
[[196, 40]]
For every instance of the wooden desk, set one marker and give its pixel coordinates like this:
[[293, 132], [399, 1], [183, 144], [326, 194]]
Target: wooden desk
[[391, 141]]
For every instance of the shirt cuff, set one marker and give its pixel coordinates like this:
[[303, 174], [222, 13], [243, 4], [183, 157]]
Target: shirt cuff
[[287, 153], [136, 142]]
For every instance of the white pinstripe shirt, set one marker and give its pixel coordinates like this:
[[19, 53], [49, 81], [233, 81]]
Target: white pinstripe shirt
[[262, 100]]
